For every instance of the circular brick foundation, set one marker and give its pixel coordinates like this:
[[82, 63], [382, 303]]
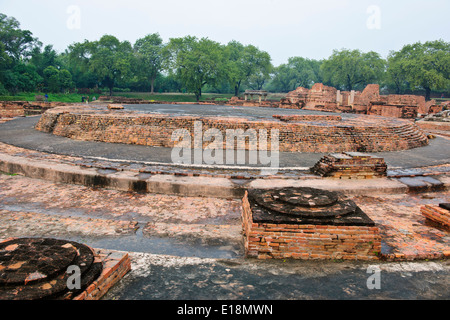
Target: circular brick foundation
[[305, 133], [37, 268]]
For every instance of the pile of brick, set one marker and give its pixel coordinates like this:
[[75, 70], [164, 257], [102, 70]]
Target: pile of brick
[[439, 214], [351, 165]]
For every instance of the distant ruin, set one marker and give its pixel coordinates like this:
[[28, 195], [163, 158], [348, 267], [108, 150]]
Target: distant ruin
[[369, 101]]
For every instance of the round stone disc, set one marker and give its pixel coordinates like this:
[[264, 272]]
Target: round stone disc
[[44, 266], [305, 197], [292, 202], [24, 261]]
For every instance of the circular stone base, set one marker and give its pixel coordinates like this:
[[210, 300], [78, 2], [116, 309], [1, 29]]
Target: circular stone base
[[305, 197], [34, 269], [155, 128], [303, 202]]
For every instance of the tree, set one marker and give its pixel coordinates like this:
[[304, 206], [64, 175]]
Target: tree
[[195, 62], [21, 77], [75, 61], [298, 72], [353, 69], [109, 59], [424, 65], [247, 64], [15, 48], [43, 59], [65, 80], [51, 79], [284, 79], [17, 43], [149, 58]]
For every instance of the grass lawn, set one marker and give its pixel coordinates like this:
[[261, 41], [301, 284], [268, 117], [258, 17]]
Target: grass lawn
[[169, 97], [52, 97], [173, 97], [186, 97]]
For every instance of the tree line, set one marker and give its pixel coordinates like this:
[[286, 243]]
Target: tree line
[[194, 65]]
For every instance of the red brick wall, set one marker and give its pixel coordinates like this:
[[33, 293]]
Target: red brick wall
[[321, 97], [308, 242], [436, 214], [11, 109], [365, 134]]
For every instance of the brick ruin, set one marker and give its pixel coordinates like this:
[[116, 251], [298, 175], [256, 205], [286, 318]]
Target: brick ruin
[[369, 101], [309, 133], [437, 123], [437, 214], [11, 109], [307, 224], [351, 165]]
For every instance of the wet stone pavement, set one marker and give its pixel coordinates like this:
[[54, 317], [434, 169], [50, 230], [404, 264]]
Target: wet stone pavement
[[191, 248]]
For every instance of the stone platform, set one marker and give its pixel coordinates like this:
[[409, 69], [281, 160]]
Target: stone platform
[[155, 128], [305, 223]]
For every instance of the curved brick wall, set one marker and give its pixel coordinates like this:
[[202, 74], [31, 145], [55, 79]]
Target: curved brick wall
[[359, 133]]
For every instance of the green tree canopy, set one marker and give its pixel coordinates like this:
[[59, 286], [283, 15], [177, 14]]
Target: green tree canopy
[[352, 70], [424, 66], [298, 72], [195, 62], [51, 79], [247, 65], [42, 59], [108, 58], [149, 58], [22, 77], [17, 43]]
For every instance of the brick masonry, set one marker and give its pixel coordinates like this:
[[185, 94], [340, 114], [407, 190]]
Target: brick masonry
[[308, 242], [11, 109], [369, 101], [116, 265], [359, 133], [351, 165], [436, 214]]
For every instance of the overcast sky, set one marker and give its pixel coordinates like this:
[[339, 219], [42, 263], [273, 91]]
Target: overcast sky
[[284, 28]]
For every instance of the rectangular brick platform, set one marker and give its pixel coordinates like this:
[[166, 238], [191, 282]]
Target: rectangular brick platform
[[291, 240], [116, 265]]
